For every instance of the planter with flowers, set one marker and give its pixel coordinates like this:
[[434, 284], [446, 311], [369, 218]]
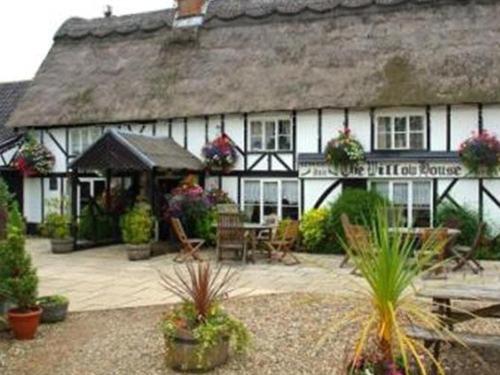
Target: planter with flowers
[[137, 228], [199, 333], [220, 154], [481, 153], [34, 158], [344, 151]]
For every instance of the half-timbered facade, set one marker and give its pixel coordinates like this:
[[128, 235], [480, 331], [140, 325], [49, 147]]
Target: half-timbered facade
[[410, 79]]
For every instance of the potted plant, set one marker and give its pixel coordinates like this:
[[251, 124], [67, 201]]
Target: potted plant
[[198, 332], [34, 158], [54, 308], [56, 227], [387, 306], [344, 151], [481, 153], [137, 225], [220, 154], [19, 281]]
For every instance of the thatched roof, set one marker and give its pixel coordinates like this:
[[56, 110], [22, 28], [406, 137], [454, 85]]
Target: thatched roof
[[120, 151], [10, 94], [260, 55]]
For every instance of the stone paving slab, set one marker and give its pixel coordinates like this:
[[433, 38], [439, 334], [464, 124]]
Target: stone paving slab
[[104, 278]]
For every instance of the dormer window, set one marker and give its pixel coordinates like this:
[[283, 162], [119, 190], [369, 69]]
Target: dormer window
[[401, 132]]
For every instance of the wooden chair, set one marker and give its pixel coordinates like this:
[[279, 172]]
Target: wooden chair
[[231, 235], [189, 246], [441, 240], [357, 237], [227, 208], [268, 235], [466, 255], [284, 243]]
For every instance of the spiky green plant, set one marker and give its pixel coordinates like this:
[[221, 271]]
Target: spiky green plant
[[389, 267]]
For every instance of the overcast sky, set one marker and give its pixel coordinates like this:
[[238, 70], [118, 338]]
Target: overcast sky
[[27, 28]]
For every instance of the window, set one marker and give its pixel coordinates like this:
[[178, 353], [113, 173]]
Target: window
[[82, 138], [53, 183], [263, 198], [271, 135], [406, 132], [413, 198]]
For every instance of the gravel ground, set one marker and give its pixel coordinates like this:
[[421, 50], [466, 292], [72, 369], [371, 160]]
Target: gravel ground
[[285, 329]]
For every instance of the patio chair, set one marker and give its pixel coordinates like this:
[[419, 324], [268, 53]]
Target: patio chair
[[231, 235], [268, 235], [284, 243], [189, 246], [227, 208], [466, 255], [357, 237], [441, 241]]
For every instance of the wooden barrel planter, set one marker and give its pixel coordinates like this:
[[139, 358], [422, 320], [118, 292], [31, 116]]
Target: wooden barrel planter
[[186, 354]]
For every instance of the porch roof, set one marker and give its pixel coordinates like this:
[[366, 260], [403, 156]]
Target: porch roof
[[120, 151]]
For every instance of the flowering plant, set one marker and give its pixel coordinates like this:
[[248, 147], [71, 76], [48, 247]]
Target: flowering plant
[[220, 153], [344, 150], [218, 196], [34, 158], [481, 152]]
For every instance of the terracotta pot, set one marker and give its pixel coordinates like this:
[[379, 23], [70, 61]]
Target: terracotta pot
[[61, 246], [183, 354], [24, 324], [138, 252]]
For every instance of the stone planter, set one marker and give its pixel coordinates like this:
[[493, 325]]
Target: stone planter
[[183, 354], [61, 246], [53, 312], [138, 252]]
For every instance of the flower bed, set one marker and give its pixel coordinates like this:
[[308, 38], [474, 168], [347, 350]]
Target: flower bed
[[220, 154], [481, 153], [344, 151]]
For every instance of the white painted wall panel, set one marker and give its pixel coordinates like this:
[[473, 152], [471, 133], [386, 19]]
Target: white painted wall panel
[[214, 127], [307, 131], [359, 123], [230, 186], [8, 155], [261, 165], [438, 128], [196, 135], [162, 128], [178, 131], [491, 118], [32, 200], [313, 189], [491, 210], [464, 120], [60, 159], [333, 122], [465, 192], [235, 128]]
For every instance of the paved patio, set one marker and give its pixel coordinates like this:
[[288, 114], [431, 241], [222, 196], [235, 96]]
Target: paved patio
[[103, 278]]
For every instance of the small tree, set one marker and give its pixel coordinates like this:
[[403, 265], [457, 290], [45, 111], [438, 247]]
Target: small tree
[[137, 224]]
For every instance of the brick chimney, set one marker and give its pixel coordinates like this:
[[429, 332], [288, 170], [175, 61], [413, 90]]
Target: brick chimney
[[189, 8]]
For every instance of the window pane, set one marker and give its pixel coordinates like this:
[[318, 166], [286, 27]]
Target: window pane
[[252, 201], [256, 128], [384, 140], [270, 135], [400, 193], [256, 135], [289, 193], [400, 124], [284, 127], [270, 198], [421, 193], [384, 124], [381, 187], [416, 141], [75, 141], [400, 140], [284, 143], [85, 139], [416, 123]]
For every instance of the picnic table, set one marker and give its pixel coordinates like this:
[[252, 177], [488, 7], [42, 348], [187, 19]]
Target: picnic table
[[443, 298]]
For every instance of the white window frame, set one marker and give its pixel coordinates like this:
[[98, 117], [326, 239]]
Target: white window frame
[[410, 195], [280, 194], [276, 119], [90, 138], [406, 114]]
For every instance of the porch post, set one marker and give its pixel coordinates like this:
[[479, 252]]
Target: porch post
[[152, 201], [108, 190], [74, 206]]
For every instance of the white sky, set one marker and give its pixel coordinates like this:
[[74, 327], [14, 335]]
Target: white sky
[[27, 28]]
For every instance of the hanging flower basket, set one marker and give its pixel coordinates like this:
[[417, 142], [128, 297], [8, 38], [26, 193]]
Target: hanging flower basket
[[481, 153], [344, 151], [220, 154], [34, 158]]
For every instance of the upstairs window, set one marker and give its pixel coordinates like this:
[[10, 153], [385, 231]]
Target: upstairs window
[[405, 132], [82, 138], [271, 135]]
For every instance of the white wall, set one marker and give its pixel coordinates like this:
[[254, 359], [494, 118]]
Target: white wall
[[438, 128], [313, 189], [464, 121], [360, 124], [32, 200]]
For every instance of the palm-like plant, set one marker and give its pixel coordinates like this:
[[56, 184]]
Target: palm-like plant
[[388, 265]]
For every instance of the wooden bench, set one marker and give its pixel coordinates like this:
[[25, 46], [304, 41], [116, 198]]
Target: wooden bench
[[433, 339]]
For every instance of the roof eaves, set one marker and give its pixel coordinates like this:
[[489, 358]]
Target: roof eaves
[[124, 141]]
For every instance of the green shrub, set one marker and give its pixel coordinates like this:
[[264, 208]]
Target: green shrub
[[18, 278], [95, 226], [5, 201], [54, 300], [55, 226], [312, 229], [15, 218], [463, 218], [359, 205], [137, 224]]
